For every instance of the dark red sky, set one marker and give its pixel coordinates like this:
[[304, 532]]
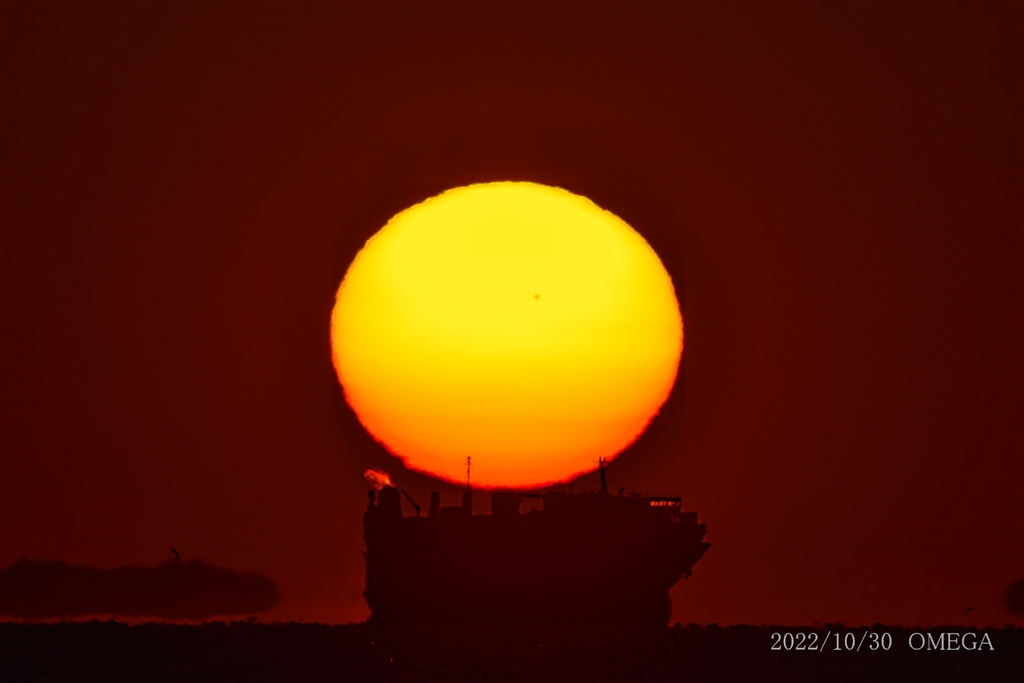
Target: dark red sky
[[835, 189]]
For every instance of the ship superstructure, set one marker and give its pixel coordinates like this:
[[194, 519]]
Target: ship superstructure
[[589, 558]]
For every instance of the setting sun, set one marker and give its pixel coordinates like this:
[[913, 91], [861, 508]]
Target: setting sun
[[516, 323]]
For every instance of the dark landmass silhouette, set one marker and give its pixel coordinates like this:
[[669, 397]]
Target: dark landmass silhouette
[[1013, 598], [174, 589], [114, 652]]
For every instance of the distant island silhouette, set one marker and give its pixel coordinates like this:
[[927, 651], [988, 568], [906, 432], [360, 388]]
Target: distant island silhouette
[[1013, 598], [175, 589]]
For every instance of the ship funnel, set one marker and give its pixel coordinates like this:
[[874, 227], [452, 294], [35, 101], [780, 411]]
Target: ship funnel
[[389, 503]]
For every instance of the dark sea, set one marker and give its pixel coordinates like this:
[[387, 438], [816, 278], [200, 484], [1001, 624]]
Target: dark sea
[[296, 652]]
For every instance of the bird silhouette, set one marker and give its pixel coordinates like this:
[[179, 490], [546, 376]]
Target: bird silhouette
[[969, 609], [176, 555]]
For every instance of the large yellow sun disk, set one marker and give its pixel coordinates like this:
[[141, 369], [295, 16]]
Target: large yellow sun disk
[[516, 323]]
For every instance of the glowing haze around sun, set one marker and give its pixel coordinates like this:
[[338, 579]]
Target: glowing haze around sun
[[516, 323]]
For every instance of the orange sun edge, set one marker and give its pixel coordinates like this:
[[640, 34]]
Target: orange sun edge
[[482, 487], [485, 487], [530, 487]]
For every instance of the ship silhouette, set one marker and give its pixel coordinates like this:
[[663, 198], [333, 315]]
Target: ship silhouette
[[590, 559]]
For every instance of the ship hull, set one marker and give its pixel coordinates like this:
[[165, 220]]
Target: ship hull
[[602, 560]]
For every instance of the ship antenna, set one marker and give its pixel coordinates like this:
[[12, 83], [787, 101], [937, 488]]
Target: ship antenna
[[602, 464], [467, 495]]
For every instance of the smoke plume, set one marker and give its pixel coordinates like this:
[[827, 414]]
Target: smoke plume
[[379, 478]]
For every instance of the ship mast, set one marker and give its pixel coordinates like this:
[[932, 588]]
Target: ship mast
[[602, 465], [467, 495]]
